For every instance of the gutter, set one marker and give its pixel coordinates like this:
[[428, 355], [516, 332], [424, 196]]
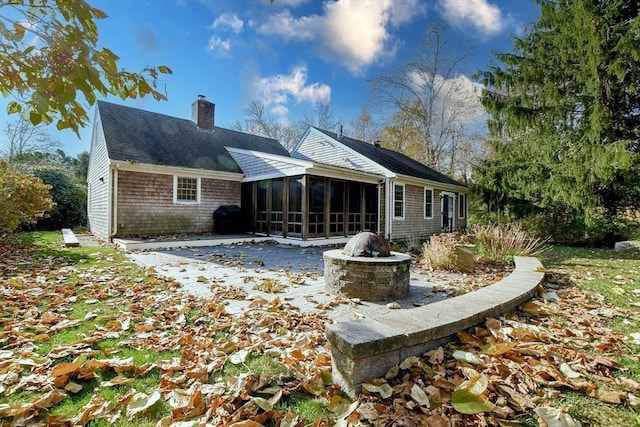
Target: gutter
[[114, 204]]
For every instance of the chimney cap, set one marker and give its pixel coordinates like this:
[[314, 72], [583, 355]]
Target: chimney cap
[[201, 96], [376, 143]]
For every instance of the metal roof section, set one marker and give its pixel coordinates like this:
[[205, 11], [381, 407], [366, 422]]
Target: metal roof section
[[258, 165]]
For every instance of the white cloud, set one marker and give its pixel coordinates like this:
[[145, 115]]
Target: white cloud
[[219, 47], [354, 34], [292, 3], [275, 92], [484, 17], [230, 21], [457, 99], [289, 27]]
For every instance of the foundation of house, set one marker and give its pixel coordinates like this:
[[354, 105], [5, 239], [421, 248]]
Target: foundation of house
[[366, 278]]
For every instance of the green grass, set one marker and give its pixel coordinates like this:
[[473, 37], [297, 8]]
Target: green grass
[[312, 410], [254, 363]]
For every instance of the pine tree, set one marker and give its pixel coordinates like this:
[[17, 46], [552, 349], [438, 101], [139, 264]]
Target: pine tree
[[565, 112]]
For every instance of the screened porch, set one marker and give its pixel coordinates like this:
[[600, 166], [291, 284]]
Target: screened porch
[[308, 206]]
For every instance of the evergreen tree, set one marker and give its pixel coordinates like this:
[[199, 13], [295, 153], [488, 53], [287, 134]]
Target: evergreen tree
[[565, 113]]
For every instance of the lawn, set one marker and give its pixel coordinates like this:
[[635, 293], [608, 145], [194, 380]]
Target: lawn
[[86, 337]]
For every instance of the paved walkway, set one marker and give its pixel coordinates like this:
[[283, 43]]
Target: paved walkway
[[245, 272]]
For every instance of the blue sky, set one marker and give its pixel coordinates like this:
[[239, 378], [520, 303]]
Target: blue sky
[[289, 54]]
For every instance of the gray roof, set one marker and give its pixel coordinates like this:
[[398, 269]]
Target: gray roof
[[393, 161], [137, 135]]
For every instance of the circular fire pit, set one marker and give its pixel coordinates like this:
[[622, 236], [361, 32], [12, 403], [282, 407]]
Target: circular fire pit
[[370, 278]]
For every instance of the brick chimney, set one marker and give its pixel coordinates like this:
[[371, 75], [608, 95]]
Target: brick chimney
[[202, 113]]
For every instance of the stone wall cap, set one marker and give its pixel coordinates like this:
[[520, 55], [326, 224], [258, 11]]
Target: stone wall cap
[[395, 257]]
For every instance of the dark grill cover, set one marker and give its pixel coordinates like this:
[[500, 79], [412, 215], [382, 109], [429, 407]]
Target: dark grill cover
[[227, 220], [367, 244]]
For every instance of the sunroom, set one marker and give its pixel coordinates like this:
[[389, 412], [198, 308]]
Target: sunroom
[[299, 199]]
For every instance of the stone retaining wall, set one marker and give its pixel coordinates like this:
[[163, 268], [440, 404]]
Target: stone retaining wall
[[367, 348]]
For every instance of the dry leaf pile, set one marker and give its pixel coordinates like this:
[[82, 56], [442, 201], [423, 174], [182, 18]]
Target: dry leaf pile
[[152, 316], [491, 376], [508, 368]]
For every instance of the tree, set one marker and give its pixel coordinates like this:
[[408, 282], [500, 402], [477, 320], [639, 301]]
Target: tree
[[435, 105], [259, 122], [51, 66], [320, 117], [565, 113], [25, 198], [22, 137], [365, 127]]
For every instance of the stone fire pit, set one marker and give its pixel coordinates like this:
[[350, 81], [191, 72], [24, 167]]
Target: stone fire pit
[[367, 269]]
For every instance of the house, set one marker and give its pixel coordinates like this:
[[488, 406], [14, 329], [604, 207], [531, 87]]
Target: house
[[152, 174]]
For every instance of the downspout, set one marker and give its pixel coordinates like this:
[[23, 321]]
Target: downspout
[[114, 204], [379, 200], [388, 206]]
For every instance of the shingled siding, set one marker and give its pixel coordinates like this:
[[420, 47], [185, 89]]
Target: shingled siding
[[145, 205], [414, 226]]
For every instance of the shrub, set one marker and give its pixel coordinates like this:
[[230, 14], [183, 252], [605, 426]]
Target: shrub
[[500, 243], [25, 198], [413, 245], [69, 198], [439, 253]]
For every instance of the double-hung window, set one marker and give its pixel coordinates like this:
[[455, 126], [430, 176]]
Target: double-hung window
[[186, 189], [428, 203], [398, 201]]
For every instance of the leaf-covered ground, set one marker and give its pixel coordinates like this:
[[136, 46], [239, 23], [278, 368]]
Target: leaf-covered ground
[[87, 338]]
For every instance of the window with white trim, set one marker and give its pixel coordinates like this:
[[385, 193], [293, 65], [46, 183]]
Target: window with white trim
[[428, 203], [462, 205], [186, 189], [398, 201]]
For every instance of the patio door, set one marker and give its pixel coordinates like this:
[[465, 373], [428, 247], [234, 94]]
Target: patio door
[[448, 211]]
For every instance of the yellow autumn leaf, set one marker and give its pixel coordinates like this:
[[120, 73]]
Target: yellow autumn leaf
[[534, 308], [498, 348]]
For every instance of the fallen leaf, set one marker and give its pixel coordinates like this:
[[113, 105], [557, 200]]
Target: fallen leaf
[[465, 356], [498, 348], [141, 402], [568, 372], [420, 396], [554, 417], [468, 403], [239, 357]]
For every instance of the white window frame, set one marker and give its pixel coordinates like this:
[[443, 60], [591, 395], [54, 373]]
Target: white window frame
[[462, 206], [432, 204], [403, 201], [175, 190]]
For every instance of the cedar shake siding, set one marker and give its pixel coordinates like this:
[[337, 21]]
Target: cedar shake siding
[[146, 205], [414, 226]]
